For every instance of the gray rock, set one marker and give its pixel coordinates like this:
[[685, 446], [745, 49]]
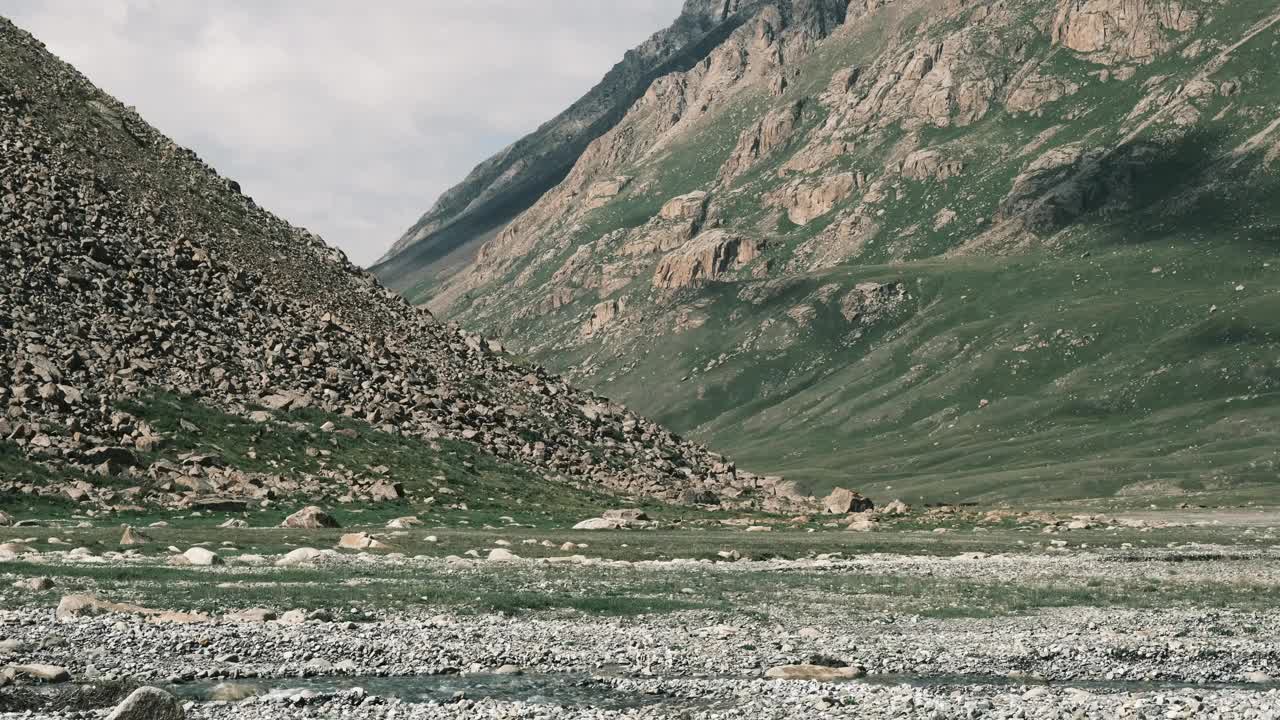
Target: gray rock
[[148, 703]]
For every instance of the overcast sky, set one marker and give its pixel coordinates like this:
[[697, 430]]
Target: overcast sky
[[343, 116]]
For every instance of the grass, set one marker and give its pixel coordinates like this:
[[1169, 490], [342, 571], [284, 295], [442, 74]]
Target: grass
[[361, 591]]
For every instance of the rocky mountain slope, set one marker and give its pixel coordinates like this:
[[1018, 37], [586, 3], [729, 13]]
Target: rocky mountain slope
[[974, 248], [164, 339], [501, 187]]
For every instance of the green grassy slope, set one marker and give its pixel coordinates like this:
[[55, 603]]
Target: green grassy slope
[[1125, 341]]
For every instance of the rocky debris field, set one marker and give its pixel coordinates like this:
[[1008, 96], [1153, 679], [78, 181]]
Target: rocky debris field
[[1177, 622], [132, 267]]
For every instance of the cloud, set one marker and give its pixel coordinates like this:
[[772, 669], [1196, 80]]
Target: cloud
[[347, 118]]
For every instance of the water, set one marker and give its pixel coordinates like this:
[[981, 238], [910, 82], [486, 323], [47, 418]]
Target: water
[[560, 689], [580, 690]]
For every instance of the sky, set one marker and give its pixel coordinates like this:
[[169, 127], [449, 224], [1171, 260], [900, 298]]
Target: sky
[[348, 118]]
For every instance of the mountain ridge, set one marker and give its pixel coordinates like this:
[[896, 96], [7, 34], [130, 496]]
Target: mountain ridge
[[798, 216]]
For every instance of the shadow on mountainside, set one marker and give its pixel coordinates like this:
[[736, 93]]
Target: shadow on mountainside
[[1189, 188]]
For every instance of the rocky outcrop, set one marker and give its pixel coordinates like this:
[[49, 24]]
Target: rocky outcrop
[[705, 258], [1114, 31], [930, 165], [711, 46], [770, 133], [601, 192], [601, 315], [804, 201], [1035, 91]]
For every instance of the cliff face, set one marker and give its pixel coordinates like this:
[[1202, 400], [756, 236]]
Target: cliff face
[[449, 234], [934, 244]]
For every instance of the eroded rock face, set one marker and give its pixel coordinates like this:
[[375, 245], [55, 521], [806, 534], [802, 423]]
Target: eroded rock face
[[705, 258], [1112, 31], [930, 165], [806, 200], [601, 315], [762, 138]]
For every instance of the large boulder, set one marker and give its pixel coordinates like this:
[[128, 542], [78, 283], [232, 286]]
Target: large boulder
[[310, 518], [300, 556], [197, 556], [598, 524], [360, 541], [842, 501], [148, 703]]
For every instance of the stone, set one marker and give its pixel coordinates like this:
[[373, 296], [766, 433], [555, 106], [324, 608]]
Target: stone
[[251, 615], [360, 541], [201, 557], [863, 525], [133, 537], [148, 703], [36, 584], [819, 673], [1258, 677], [310, 518], [42, 673], [895, 508], [300, 556], [842, 501], [71, 607], [404, 523], [597, 524], [386, 491], [5, 519], [502, 555]]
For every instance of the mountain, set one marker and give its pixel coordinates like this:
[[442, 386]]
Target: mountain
[[448, 235], [164, 339], [948, 249]]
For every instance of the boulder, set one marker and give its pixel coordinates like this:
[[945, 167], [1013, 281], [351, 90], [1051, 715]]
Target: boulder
[[310, 518], [598, 524], [77, 606], [199, 557], [895, 508], [36, 584], [360, 541], [842, 501], [42, 673], [251, 615], [300, 556], [148, 703], [133, 537], [502, 555], [386, 491], [5, 519], [404, 523]]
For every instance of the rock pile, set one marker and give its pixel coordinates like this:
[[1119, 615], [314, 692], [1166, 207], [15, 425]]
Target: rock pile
[[132, 266]]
